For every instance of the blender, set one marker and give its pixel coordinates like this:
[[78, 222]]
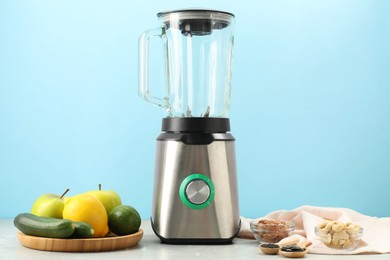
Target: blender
[[195, 195]]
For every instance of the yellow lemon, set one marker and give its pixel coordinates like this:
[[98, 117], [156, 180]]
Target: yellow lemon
[[87, 208]]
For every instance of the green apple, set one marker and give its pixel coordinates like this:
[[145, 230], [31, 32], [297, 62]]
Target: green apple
[[109, 198], [49, 205]]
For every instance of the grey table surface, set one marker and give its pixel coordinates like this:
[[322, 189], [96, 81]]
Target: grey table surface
[[151, 248]]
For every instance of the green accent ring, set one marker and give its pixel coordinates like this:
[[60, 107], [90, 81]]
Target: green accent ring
[[183, 186]]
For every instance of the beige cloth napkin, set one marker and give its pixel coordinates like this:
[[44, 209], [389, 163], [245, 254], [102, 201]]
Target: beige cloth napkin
[[376, 231]]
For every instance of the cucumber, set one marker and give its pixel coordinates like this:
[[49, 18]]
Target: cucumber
[[82, 230], [33, 225]]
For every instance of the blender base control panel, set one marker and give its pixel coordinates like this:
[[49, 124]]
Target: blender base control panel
[[197, 191]]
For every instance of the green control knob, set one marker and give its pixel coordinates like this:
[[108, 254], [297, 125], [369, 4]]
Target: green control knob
[[197, 191]]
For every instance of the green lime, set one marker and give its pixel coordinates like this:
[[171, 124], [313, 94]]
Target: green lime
[[124, 220]]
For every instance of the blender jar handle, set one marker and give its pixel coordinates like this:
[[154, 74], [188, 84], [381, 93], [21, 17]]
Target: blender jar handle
[[143, 45]]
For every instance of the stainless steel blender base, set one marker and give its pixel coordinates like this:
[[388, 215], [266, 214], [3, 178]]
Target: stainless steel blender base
[[195, 196]]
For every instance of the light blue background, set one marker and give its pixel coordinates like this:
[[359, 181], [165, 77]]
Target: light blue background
[[310, 102]]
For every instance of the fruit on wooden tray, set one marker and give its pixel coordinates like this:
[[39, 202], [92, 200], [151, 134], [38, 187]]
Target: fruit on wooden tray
[[109, 198], [87, 208], [89, 214], [49, 205], [124, 220]]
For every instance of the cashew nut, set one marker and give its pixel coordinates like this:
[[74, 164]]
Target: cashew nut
[[337, 234]]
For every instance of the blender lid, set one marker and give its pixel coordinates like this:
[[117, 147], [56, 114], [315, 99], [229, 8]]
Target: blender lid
[[196, 13], [196, 21]]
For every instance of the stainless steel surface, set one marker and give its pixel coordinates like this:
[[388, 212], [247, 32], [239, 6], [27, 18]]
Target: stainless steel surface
[[197, 191], [175, 161]]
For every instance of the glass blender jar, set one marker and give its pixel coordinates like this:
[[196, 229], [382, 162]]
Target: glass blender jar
[[195, 197]]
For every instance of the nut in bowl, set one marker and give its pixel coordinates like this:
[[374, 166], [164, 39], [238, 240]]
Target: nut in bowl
[[339, 235], [271, 231]]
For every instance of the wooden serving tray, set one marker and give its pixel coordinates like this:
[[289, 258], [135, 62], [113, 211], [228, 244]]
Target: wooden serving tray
[[108, 243]]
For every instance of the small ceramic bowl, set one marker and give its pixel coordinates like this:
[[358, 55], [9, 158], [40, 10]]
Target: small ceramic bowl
[[347, 239], [271, 231]]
